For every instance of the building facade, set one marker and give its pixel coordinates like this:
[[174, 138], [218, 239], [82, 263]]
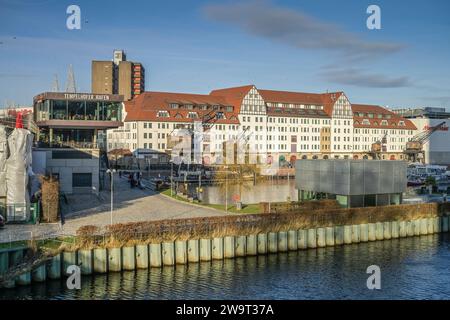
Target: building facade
[[272, 125], [70, 129], [118, 76]]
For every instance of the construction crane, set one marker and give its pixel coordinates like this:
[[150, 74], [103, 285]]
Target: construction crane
[[414, 147], [378, 147]]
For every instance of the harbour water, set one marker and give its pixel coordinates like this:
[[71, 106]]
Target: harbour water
[[411, 268]]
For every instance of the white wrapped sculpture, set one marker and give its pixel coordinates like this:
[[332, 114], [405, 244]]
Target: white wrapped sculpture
[[3, 156], [17, 170]]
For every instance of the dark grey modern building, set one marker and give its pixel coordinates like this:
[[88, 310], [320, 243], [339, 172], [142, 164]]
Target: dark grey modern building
[[353, 183]]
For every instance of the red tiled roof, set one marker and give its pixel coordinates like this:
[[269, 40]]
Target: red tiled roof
[[234, 95], [145, 107], [321, 99], [375, 122]]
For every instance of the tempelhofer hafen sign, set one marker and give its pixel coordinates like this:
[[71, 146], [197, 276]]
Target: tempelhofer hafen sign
[[80, 96]]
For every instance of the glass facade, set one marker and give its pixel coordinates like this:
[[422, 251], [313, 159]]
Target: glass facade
[[78, 110]]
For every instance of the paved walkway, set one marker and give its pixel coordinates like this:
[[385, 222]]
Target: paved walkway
[[130, 205]]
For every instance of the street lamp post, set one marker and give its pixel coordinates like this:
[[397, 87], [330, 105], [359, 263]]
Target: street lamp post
[[111, 172]]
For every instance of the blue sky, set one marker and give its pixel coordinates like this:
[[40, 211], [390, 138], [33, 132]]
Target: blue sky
[[197, 46]]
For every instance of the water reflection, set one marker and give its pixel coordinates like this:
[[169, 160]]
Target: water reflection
[[413, 268]]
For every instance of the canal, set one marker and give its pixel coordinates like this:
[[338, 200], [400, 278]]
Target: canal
[[411, 268]]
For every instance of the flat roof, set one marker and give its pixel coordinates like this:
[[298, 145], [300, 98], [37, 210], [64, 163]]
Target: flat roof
[[78, 96]]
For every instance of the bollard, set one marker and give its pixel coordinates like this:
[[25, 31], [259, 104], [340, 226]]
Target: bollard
[[302, 239], [194, 250], [272, 242], [364, 232], [39, 274], [372, 232], [395, 229], [329, 236], [114, 260], [430, 225], [410, 226], [312, 238], [417, 224], [252, 245], [100, 261], [205, 250], [402, 230], [69, 259], [321, 242], [168, 253], [128, 258], [437, 225], [347, 234], [282, 241], [387, 230], [85, 261], [338, 235], [445, 223], [180, 252], [217, 248], [240, 244], [142, 256], [356, 233], [155, 255], [379, 231], [228, 247], [292, 240], [262, 243], [54, 267], [423, 226]]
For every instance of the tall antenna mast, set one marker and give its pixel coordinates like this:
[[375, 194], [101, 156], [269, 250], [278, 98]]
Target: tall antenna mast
[[55, 87], [70, 85]]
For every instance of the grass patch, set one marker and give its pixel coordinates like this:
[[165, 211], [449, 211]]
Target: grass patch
[[246, 208]]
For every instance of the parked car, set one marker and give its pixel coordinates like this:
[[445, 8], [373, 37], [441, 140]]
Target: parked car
[[2, 221]]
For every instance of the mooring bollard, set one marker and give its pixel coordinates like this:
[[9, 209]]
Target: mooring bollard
[[394, 229], [347, 234], [240, 243], [329, 236], [321, 240], [39, 274], [114, 260], [292, 240], [54, 267], [142, 256], [430, 225], [155, 255], [338, 235], [180, 252], [356, 233], [217, 248], [205, 250], [364, 232], [100, 260], [85, 261], [312, 238], [410, 226], [437, 224], [272, 241], [228, 247], [252, 245], [402, 231], [423, 226], [262, 243], [417, 226], [194, 250], [372, 232], [282, 241], [69, 259], [387, 230], [168, 253], [379, 230], [302, 239]]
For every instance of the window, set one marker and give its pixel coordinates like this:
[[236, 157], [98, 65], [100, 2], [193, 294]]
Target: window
[[163, 114], [81, 180]]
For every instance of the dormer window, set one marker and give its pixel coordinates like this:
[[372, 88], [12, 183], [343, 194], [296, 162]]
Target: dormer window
[[163, 114], [192, 115], [220, 115], [401, 123], [366, 122], [189, 106], [174, 106], [384, 123]]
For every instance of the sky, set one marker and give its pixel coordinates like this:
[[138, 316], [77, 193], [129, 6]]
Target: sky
[[198, 46]]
